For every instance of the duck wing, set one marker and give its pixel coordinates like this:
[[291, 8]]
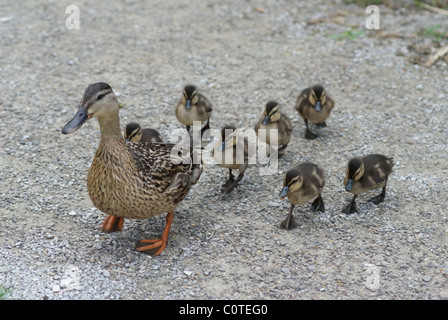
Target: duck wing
[[164, 163]]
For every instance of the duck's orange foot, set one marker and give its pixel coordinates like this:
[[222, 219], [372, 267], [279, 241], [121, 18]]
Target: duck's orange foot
[[154, 247], [112, 224]]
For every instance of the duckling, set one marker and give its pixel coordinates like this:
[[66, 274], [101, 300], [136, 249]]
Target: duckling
[[364, 174], [314, 106], [231, 153], [301, 184], [193, 106], [273, 119], [135, 133], [131, 180]]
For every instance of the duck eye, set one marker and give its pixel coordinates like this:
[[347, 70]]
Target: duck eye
[[100, 96]]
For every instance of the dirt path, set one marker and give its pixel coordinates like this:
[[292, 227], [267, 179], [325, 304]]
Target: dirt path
[[241, 54]]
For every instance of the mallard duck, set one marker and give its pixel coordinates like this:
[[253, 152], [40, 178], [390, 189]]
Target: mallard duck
[[301, 184], [231, 153], [314, 106], [272, 120], [364, 174], [135, 133], [193, 106], [131, 180]]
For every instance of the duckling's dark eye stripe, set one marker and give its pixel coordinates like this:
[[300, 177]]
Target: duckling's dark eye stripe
[[273, 111], [193, 94], [294, 180], [133, 134], [358, 174]]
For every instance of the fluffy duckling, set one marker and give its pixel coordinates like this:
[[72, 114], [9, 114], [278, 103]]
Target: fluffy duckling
[[193, 106], [135, 133], [301, 184], [314, 106], [364, 174], [131, 180], [273, 119], [231, 153]]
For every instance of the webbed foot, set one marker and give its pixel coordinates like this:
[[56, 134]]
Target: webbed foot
[[154, 247]]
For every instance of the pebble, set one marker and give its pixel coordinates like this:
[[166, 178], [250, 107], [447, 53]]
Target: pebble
[[5, 268], [426, 278], [274, 204]]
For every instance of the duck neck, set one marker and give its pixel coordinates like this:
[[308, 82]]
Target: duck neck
[[110, 127]]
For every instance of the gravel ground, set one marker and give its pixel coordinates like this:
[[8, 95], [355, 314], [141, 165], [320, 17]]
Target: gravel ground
[[241, 54]]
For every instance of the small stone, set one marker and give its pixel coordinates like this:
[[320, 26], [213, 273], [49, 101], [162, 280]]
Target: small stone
[[5, 269], [426, 278], [65, 283], [56, 288]]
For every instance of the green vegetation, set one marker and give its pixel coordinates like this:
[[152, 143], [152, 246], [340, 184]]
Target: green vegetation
[[442, 4], [435, 33], [363, 2], [4, 292], [349, 34]]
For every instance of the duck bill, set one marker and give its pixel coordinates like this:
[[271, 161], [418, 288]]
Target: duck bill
[[318, 106], [78, 120], [349, 185], [266, 121], [188, 105], [222, 146], [284, 192]]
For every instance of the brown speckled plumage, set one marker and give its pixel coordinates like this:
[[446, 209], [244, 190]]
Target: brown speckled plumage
[[137, 181], [131, 180]]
